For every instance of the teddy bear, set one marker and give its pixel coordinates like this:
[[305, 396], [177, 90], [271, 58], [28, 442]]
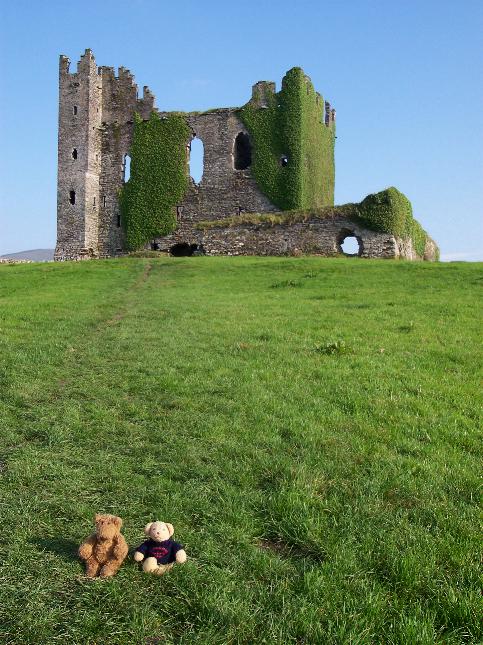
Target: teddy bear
[[160, 552], [104, 550]]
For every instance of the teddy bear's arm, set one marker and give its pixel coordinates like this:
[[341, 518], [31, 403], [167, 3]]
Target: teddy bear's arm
[[181, 556], [140, 552], [85, 549], [121, 548]]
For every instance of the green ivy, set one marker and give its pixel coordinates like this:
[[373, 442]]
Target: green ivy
[[292, 125], [391, 212], [158, 180]]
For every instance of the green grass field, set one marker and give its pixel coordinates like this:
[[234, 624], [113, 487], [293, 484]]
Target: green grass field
[[310, 427]]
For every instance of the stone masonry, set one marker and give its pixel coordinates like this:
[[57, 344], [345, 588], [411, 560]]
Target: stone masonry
[[312, 236], [96, 122]]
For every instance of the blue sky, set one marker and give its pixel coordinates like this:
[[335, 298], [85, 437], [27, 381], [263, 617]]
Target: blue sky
[[405, 77]]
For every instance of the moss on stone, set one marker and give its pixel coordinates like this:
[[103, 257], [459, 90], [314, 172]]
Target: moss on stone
[[390, 211], [294, 216]]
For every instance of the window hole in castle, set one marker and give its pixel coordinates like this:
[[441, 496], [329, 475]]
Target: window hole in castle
[[104, 201], [72, 197], [284, 160], [74, 110], [350, 244], [118, 220], [127, 167], [74, 153], [242, 154], [196, 154], [183, 249]]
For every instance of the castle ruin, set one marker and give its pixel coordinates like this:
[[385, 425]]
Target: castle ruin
[[231, 211]]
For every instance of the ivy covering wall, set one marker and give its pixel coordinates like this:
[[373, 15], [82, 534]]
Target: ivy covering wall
[[158, 180], [291, 126]]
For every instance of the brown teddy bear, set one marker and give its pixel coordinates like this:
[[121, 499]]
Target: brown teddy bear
[[160, 551], [104, 550]]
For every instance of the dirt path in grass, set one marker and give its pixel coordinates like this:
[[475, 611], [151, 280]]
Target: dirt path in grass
[[129, 301], [121, 312]]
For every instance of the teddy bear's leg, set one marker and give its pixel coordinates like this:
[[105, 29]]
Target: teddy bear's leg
[[162, 568], [92, 567], [109, 570], [150, 565]]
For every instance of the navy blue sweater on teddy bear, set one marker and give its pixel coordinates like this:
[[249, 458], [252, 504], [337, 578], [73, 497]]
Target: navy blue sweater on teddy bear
[[164, 552]]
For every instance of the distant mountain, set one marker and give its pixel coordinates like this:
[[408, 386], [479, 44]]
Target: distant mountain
[[36, 255]]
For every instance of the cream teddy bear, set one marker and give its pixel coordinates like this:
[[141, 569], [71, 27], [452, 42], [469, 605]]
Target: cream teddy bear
[[159, 552]]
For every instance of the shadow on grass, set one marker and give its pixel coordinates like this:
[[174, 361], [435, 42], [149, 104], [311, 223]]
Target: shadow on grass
[[67, 549], [310, 553]]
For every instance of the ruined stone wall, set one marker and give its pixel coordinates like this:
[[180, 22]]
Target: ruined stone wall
[[222, 191], [318, 236]]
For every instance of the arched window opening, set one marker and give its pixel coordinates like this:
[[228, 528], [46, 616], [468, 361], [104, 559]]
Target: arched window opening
[[350, 244], [284, 160], [127, 168], [242, 153], [72, 197], [196, 154], [74, 153]]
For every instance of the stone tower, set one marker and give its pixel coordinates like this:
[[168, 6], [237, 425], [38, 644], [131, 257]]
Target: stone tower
[[79, 162], [96, 109]]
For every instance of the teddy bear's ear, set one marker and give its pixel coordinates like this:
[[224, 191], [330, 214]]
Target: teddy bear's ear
[[147, 528], [170, 528], [97, 517], [117, 521]]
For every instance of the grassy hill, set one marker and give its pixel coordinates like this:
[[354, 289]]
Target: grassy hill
[[308, 425]]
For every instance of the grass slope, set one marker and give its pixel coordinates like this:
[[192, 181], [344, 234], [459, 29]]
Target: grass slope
[[308, 425]]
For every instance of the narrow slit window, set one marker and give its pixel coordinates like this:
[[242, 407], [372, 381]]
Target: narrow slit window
[[127, 168], [94, 201], [104, 201], [74, 153], [196, 160], [118, 220], [72, 197], [74, 110]]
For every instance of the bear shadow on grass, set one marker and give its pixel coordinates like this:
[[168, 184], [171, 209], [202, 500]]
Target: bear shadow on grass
[[67, 549]]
